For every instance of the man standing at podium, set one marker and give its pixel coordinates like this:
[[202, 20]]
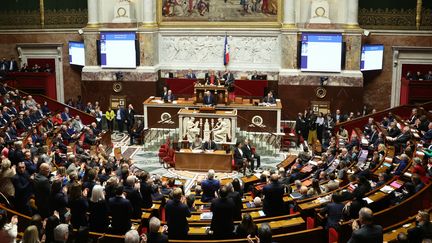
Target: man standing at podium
[[208, 99], [229, 80]]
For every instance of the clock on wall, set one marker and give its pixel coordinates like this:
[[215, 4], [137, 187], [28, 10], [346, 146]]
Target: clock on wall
[[121, 12], [320, 11]]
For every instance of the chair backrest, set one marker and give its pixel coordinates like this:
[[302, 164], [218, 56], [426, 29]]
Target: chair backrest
[[333, 235]]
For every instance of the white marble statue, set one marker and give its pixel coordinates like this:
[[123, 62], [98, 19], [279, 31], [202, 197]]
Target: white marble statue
[[222, 130], [191, 128]]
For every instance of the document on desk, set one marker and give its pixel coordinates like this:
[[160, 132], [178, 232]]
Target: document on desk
[[261, 213], [387, 189], [197, 151], [206, 216], [368, 200]]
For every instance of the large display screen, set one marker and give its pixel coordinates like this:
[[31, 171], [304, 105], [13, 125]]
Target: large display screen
[[321, 52], [76, 53], [117, 49], [372, 57]]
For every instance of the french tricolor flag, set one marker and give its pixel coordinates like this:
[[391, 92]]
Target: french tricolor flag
[[226, 51]]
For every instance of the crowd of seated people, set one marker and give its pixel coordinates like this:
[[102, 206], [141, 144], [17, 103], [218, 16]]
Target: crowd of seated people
[[419, 76], [90, 189]]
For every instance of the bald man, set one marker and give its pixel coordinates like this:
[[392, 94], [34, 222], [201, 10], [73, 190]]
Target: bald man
[[364, 230], [42, 189]]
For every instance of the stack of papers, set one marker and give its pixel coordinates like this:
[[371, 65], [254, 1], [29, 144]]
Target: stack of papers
[[206, 216], [387, 189], [368, 200], [261, 213]]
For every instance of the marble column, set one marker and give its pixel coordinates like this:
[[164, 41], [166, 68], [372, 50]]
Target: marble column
[[289, 14], [92, 7], [149, 12], [352, 13]]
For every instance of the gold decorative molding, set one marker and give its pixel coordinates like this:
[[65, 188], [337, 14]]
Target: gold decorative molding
[[289, 26], [387, 18], [419, 13], [42, 13], [220, 24]]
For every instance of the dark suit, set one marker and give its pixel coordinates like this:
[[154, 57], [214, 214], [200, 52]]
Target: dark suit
[[222, 222], [176, 215], [169, 98], [209, 146], [157, 238], [334, 213], [238, 157], [247, 151], [12, 66], [209, 100], [42, 190], [191, 76], [121, 212], [420, 232], [270, 100], [229, 81], [235, 196], [78, 208], [134, 197], [98, 219], [130, 119], [121, 120], [273, 204], [367, 233], [209, 187]]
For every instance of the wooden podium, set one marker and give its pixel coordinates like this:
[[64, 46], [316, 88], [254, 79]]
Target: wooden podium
[[219, 92]]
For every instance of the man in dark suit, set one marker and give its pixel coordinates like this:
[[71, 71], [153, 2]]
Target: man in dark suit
[[209, 145], [134, 196], [23, 188], [240, 159], [208, 99], [177, 212], [237, 199], [12, 65], [413, 117], [393, 130], [136, 132], [4, 65], [120, 118], [364, 230], [255, 75], [338, 117], [42, 190], [164, 91], [65, 116], [121, 212], [222, 223], [169, 97], [154, 236], [251, 155], [273, 204], [269, 99], [229, 80], [209, 187], [427, 137], [130, 117], [190, 74]]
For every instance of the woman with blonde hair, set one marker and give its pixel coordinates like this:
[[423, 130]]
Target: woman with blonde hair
[[31, 235], [6, 174], [98, 209]]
